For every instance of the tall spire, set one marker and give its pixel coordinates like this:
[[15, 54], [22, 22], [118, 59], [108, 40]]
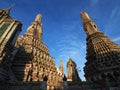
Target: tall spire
[[89, 26], [102, 55], [72, 71], [61, 67]]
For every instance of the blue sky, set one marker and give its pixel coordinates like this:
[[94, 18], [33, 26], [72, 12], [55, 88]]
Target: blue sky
[[62, 26]]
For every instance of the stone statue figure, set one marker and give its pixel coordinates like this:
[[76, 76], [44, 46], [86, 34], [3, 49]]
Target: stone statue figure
[[38, 18]]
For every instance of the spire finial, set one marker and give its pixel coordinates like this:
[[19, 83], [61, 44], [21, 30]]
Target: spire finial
[[61, 66], [85, 17], [89, 26], [38, 18], [13, 5], [9, 8], [70, 58]]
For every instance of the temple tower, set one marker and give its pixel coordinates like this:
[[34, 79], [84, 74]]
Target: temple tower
[[61, 67], [33, 61], [103, 55], [72, 71], [9, 31]]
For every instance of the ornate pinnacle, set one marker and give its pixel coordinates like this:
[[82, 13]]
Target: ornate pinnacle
[[38, 18], [9, 8], [85, 17]]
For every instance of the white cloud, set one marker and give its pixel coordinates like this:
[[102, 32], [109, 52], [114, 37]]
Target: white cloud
[[112, 24], [115, 13], [116, 39], [94, 2]]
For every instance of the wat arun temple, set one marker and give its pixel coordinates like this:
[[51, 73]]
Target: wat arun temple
[[26, 64]]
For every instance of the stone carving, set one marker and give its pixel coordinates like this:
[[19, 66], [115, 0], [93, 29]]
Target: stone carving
[[102, 55]]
